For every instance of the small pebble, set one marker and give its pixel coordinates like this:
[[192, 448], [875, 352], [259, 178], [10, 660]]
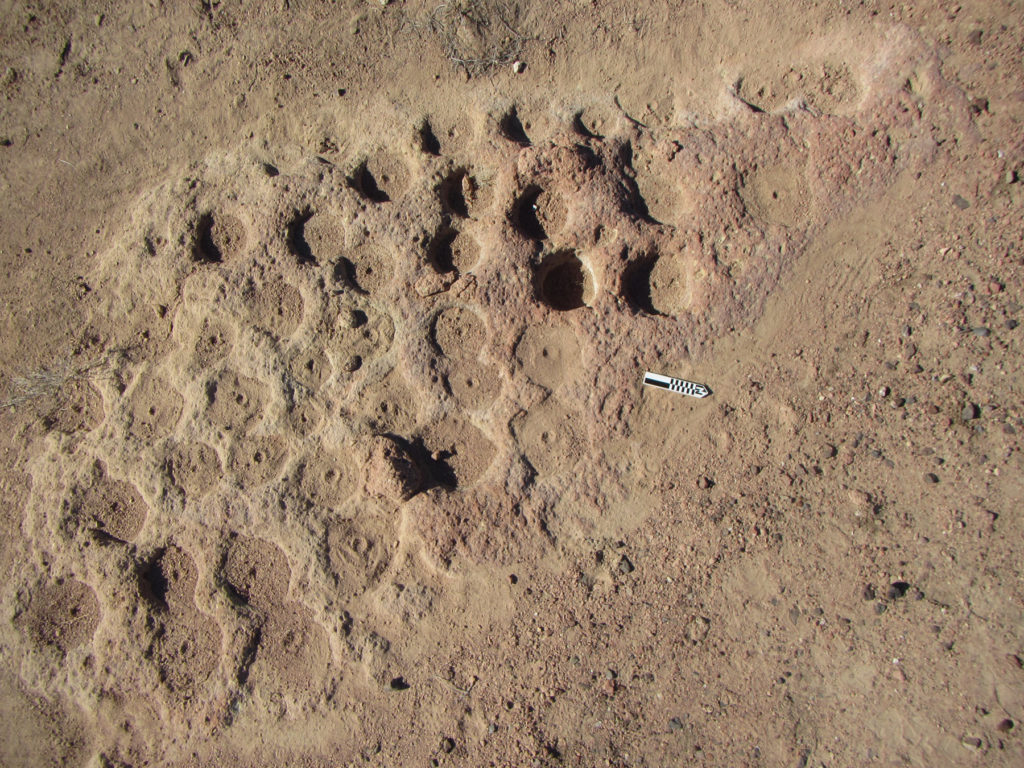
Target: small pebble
[[960, 202], [1005, 726], [625, 565], [704, 483], [931, 478], [347, 318], [869, 592], [447, 744], [675, 724], [883, 392], [518, 66], [980, 331], [971, 743], [1011, 324], [969, 412]]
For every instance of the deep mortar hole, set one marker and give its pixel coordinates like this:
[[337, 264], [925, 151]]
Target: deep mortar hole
[[345, 272], [437, 471], [453, 199], [636, 284], [512, 128], [364, 182], [562, 282], [526, 217], [439, 252], [428, 140], [205, 250], [581, 128], [153, 584], [297, 237]]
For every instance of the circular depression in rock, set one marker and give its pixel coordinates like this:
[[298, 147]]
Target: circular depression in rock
[[539, 214], [564, 282]]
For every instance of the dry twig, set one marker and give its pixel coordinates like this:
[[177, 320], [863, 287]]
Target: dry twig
[[478, 34]]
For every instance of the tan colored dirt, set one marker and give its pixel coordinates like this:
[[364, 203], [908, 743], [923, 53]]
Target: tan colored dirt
[[324, 435]]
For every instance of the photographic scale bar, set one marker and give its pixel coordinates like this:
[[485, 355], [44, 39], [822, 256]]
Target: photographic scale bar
[[682, 386]]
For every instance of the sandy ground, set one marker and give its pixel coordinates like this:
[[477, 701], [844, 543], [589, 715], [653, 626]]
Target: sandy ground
[[324, 439]]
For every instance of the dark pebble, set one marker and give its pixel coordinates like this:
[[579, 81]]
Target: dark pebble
[[447, 744], [1005, 726], [625, 565], [399, 684], [961, 202], [969, 412], [270, 170], [675, 724], [931, 478], [1011, 323], [897, 590]]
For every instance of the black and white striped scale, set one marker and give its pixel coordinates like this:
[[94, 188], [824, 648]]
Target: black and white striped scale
[[682, 386]]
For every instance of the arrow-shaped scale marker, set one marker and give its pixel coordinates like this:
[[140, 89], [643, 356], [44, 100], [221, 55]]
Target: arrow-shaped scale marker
[[682, 386]]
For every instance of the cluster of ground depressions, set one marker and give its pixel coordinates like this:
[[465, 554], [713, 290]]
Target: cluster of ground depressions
[[314, 365]]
